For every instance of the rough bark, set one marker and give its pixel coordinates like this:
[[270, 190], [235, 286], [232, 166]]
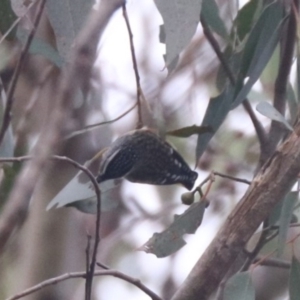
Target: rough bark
[[271, 184]]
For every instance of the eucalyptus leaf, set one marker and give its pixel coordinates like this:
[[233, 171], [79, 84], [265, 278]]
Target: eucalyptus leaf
[[239, 287], [259, 48], [215, 114], [80, 192], [171, 240], [292, 102], [269, 111], [285, 219], [8, 144], [246, 17], [181, 18], [210, 13], [294, 286]]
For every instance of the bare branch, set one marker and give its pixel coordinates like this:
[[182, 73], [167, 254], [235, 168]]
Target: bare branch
[[114, 273], [136, 70], [232, 178], [273, 262]]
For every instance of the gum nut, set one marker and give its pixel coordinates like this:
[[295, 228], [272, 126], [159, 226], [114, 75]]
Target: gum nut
[[187, 198]]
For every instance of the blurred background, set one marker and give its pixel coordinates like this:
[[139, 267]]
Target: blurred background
[[52, 243]]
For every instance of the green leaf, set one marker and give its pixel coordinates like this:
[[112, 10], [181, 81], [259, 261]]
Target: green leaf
[[215, 114], [38, 46], [189, 130], [259, 48], [210, 13], [275, 213], [285, 219], [246, 17], [171, 240], [269, 111], [239, 287], [233, 59], [294, 286], [292, 102], [7, 18]]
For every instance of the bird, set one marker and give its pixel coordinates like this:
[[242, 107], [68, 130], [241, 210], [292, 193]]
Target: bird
[[141, 156]]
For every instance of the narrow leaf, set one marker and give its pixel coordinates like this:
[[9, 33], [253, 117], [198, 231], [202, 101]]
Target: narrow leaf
[[189, 130], [246, 18], [285, 219], [171, 240], [239, 287], [215, 114], [294, 286], [292, 102], [210, 13], [274, 216], [269, 111], [259, 48]]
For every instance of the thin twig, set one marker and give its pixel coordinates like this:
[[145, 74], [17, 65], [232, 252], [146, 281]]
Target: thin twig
[[10, 93], [232, 178], [273, 262], [87, 263], [103, 266], [93, 126], [58, 279], [261, 134], [135, 67]]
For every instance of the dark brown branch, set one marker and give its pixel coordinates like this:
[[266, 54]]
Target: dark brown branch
[[114, 273], [273, 262], [87, 264], [135, 68], [270, 185], [10, 93], [287, 53], [232, 177], [261, 134]]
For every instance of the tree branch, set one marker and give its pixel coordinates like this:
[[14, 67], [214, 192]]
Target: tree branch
[[269, 186], [133, 281], [135, 68]]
